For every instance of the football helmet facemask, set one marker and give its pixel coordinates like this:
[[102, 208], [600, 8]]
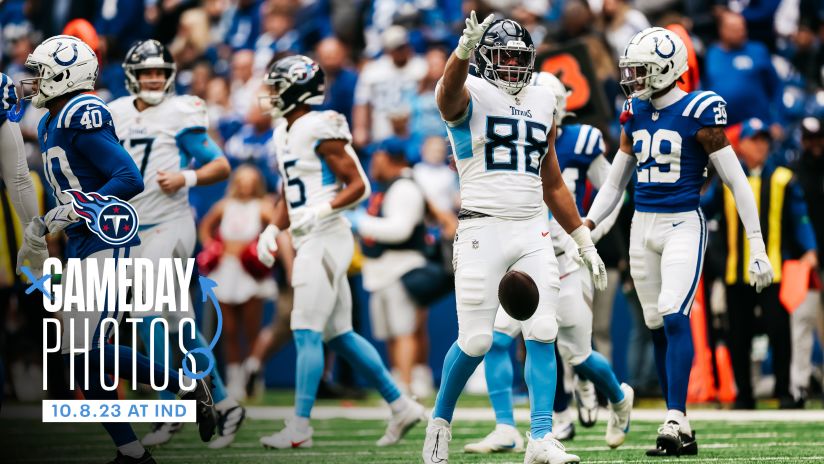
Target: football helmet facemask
[[506, 56], [149, 54], [62, 64], [652, 61], [291, 81]]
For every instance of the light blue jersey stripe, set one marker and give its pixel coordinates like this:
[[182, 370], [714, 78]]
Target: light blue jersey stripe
[[461, 136]]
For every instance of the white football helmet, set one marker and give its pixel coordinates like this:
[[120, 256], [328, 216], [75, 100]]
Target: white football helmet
[[63, 64], [653, 59], [558, 88]]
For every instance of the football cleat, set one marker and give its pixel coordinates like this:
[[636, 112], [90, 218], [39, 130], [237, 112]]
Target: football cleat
[[587, 402], [161, 433], [402, 422], [547, 450], [671, 442], [228, 423], [504, 439], [123, 459], [563, 430], [289, 437], [618, 423], [206, 416], [436, 443]]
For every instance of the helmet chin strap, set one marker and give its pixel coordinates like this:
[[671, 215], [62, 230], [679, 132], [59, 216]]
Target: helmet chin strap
[[152, 97]]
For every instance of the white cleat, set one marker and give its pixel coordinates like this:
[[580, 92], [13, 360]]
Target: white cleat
[[504, 439], [563, 429], [401, 423], [436, 443], [587, 402], [618, 424], [289, 437], [547, 450], [228, 423], [161, 433]]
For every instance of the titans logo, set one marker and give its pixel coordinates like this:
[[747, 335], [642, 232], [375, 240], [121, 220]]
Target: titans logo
[[108, 217]]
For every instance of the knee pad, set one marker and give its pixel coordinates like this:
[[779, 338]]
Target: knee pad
[[542, 329], [476, 344]]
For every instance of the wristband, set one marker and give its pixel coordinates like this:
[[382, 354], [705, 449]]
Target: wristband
[[323, 210], [190, 177]]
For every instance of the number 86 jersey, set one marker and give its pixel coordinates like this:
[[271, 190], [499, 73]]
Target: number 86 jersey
[[499, 145], [672, 164]]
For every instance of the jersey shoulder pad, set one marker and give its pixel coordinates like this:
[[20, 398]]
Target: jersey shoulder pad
[[589, 141], [189, 112], [85, 112], [707, 107], [8, 93], [330, 125]]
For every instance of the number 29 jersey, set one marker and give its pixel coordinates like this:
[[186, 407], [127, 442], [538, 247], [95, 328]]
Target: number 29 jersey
[[499, 145], [672, 163]]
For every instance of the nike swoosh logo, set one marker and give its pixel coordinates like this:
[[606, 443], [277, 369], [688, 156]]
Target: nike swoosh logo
[[296, 444], [90, 107], [434, 457], [676, 224], [544, 234], [512, 446]]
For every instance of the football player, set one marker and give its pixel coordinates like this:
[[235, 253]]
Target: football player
[[322, 177], [164, 133], [81, 152], [503, 133], [580, 149], [668, 138]]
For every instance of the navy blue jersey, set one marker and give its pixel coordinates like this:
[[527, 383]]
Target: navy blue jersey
[[577, 146], [671, 163], [81, 151]]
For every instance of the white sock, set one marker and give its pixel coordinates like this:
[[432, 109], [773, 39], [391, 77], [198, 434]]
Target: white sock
[[681, 418], [226, 404], [252, 364], [300, 423], [133, 449], [399, 404]]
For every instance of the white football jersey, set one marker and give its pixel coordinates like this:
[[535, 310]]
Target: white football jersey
[[149, 137], [307, 178], [499, 146]]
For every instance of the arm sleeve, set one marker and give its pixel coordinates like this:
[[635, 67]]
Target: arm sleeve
[[195, 143], [613, 189], [15, 173], [112, 160], [730, 172], [804, 234], [403, 209]]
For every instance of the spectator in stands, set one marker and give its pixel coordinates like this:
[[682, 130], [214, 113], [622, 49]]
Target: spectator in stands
[[530, 14], [333, 56], [425, 118], [385, 84], [740, 70], [438, 182], [251, 145], [787, 233], [244, 24], [244, 87], [621, 22], [760, 17], [279, 35]]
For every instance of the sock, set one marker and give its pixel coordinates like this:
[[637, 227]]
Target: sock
[[659, 343], [498, 370], [133, 449], [540, 378], [457, 367], [252, 364], [225, 404], [300, 423], [678, 416], [309, 370], [562, 396], [401, 403], [679, 359], [363, 356], [596, 369]]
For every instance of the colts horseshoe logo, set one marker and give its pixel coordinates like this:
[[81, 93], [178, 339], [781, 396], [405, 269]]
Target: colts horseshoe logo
[[658, 50], [60, 48]]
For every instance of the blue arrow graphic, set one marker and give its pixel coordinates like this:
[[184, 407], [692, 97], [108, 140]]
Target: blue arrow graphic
[[207, 289]]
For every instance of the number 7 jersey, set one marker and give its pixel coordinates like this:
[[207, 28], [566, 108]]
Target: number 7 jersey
[[672, 164], [499, 146]]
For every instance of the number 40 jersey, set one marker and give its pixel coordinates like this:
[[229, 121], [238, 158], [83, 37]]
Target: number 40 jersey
[[672, 164]]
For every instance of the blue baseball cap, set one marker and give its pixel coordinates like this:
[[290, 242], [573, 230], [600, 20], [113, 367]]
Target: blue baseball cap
[[752, 127]]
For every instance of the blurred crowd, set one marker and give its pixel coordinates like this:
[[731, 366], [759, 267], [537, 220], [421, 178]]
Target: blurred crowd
[[382, 59]]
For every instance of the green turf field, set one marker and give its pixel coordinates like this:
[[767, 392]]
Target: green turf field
[[351, 442]]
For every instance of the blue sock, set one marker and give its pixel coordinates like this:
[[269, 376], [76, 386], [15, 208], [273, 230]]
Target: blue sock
[[308, 371], [596, 369], [363, 356], [679, 359], [218, 387], [659, 344], [498, 369], [121, 432], [457, 367], [540, 378], [561, 395]]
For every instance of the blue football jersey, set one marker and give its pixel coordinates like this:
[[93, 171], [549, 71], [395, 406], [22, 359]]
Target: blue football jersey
[[8, 96], [84, 121], [577, 146], [671, 163]]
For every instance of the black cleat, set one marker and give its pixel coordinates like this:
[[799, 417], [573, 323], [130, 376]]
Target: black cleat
[[205, 407], [671, 442], [123, 459]]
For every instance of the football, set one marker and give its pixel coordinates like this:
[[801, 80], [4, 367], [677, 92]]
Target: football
[[518, 295]]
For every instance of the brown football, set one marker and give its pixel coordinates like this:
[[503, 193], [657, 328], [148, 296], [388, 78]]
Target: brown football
[[518, 295]]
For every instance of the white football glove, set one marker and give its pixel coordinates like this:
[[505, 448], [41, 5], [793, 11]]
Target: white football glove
[[60, 217], [34, 249], [306, 218], [589, 256], [472, 35], [761, 271], [267, 245]]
